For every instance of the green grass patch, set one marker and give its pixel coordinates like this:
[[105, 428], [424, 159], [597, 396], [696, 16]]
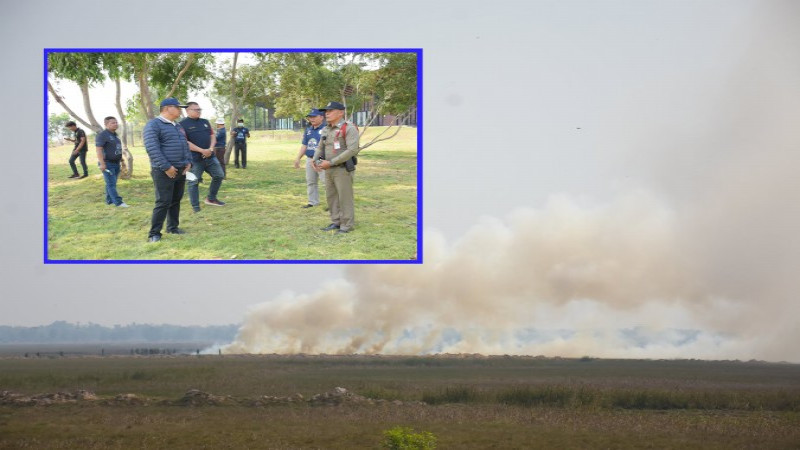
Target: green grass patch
[[263, 218]]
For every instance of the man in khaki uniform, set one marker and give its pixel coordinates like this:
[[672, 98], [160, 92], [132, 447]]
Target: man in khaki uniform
[[337, 146]]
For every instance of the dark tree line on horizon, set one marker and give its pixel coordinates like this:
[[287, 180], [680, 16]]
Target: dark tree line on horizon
[[62, 331]]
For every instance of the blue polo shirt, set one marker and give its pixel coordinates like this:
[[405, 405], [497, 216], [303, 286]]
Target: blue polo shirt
[[112, 146], [198, 132], [222, 134], [240, 134], [311, 139]]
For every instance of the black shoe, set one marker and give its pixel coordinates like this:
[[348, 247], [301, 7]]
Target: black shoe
[[82, 177], [307, 206], [154, 238], [237, 165], [340, 231], [176, 231], [330, 227], [197, 210], [74, 175]]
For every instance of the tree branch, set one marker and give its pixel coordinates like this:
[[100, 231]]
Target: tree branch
[[69, 111], [376, 138], [186, 66]]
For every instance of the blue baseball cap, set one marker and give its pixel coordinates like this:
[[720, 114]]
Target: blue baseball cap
[[332, 105], [315, 112], [172, 101]]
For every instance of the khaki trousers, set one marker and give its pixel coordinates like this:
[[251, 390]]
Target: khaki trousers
[[339, 193]]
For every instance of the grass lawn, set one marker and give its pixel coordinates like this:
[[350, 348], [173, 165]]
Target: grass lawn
[[263, 218], [472, 402]]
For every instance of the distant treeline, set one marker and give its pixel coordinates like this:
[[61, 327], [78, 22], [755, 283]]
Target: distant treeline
[[62, 331]]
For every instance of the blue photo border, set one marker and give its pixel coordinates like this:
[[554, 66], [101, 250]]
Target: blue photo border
[[420, 122]]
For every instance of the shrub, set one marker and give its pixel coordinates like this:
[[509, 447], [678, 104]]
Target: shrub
[[404, 438]]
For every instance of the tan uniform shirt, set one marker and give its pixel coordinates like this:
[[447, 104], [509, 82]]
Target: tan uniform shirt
[[348, 143]]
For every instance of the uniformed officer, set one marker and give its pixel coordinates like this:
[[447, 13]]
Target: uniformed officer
[[337, 147]]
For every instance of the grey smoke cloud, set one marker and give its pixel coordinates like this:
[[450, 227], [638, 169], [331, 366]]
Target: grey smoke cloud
[[696, 256], [566, 280]]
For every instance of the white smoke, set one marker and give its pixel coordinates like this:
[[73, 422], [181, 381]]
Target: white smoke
[[699, 259], [610, 281]]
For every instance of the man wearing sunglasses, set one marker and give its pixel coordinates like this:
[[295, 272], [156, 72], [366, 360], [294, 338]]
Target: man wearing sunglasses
[[202, 139]]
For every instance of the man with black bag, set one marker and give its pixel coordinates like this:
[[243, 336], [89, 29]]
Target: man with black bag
[[336, 154]]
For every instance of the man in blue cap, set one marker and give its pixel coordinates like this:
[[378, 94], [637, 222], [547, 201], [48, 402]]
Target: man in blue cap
[[308, 147], [335, 154], [170, 159]]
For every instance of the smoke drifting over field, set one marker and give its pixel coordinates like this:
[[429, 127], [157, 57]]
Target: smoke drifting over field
[[612, 281], [699, 257]]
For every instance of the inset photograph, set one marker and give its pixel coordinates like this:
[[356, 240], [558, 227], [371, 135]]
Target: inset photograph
[[252, 156]]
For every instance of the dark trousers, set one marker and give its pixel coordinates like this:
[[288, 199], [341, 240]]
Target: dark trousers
[[219, 152], [240, 146], [169, 192], [82, 155]]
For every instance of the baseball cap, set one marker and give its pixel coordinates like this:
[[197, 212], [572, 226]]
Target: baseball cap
[[220, 121], [314, 112], [332, 105], [172, 101]]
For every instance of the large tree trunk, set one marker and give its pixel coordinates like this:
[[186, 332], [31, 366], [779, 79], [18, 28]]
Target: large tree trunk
[[87, 105], [235, 115], [146, 101], [69, 111], [127, 158]]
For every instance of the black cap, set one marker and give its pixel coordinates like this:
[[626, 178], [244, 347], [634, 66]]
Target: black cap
[[332, 105]]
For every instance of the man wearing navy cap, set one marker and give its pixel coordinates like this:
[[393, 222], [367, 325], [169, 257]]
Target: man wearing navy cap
[[307, 147], [335, 154], [170, 159]]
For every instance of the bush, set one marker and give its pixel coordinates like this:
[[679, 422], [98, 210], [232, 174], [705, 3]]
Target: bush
[[404, 438]]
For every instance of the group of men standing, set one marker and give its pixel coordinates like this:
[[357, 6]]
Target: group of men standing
[[185, 150]]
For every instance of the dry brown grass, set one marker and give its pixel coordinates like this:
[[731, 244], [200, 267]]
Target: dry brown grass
[[474, 417]]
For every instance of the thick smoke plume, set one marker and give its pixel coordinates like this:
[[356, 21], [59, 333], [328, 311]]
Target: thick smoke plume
[[699, 259], [611, 281]]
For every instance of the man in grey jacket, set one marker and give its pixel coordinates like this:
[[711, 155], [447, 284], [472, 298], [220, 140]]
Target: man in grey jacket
[[170, 159]]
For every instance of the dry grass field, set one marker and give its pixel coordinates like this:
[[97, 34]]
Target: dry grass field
[[465, 401]]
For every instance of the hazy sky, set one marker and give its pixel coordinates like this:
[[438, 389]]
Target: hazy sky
[[635, 160]]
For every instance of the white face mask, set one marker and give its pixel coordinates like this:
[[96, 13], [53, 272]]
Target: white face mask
[[241, 124]]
